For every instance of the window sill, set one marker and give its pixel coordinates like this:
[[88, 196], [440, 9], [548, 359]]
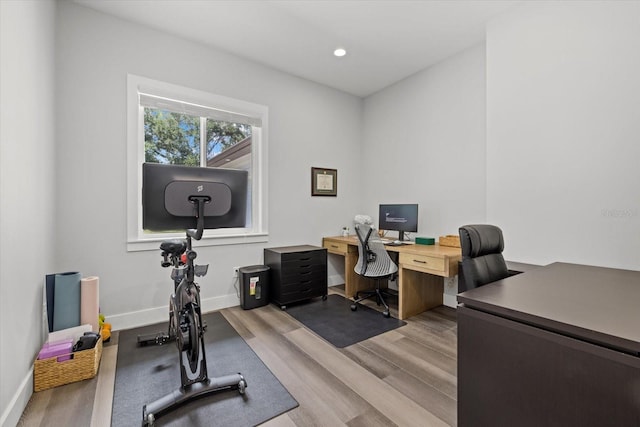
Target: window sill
[[152, 244]]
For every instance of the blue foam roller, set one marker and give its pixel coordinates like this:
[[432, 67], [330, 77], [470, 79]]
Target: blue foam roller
[[66, 301]]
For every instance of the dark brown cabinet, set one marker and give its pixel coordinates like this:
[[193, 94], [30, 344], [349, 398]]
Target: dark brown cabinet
[[297, 273], [557, 345]]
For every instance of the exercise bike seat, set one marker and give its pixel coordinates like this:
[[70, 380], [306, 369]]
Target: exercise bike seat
[[174, 247]]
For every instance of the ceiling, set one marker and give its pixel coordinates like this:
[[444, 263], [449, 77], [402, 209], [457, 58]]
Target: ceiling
[[386, 40]]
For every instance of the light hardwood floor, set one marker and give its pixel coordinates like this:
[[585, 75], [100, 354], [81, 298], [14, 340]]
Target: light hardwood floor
[[404, 377]]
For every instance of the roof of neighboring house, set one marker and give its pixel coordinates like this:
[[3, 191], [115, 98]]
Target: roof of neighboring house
[[234, 152]]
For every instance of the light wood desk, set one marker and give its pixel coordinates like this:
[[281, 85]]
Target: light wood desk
[[421, 272]]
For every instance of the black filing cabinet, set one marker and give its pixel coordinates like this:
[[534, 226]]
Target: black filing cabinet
[[297, 273]]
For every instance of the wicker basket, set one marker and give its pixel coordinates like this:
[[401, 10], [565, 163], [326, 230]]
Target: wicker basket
[[449, 240], [48, 373]]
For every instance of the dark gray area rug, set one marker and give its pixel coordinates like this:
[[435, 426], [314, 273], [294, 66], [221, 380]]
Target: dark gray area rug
[[334, 321], [144, 374]]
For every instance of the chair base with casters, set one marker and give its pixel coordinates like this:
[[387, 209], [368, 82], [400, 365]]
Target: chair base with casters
[[379, 293], [373, 263]]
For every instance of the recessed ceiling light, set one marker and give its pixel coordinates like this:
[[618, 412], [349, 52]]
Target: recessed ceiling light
[[339, 52]]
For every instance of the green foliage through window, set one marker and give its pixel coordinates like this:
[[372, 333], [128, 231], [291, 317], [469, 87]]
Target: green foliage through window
[[222, 135], [174, 138]]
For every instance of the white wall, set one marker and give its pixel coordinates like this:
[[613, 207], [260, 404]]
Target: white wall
[[27, 191], [558, 171], [424, 142], [563, 122], [309, 125]]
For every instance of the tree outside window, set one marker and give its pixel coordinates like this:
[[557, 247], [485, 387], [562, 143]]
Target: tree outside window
[[175, 138]]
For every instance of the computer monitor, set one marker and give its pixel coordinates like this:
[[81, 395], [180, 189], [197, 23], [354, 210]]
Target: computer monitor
[[170, 194], [400, 218]]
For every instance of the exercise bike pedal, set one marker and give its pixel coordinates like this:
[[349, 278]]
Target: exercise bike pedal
[[153, 339]]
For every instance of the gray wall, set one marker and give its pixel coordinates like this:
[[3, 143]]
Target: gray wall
[[79, 183], [557, 168], [424, 142], [309, 125], [27, 191], [563, 126]]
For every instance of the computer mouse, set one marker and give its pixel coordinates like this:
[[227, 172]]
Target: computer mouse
[[397, 242]]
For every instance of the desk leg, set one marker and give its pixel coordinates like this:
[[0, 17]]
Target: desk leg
[[418, 292], [350, 278]]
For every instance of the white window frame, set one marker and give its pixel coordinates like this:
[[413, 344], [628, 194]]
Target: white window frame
[[137, 240]]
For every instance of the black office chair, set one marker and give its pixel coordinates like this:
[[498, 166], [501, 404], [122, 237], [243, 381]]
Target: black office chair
[[373, 262], [482, 261]]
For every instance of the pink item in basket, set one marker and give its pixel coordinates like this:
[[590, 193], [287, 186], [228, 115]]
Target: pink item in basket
[[56, 348]]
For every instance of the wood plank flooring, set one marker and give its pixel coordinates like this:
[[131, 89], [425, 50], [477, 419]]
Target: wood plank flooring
[[404, 377]]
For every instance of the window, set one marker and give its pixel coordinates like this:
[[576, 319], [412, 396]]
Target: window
[[177, 125]]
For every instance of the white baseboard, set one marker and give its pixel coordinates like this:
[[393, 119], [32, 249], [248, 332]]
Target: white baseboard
[[449, 300], [14, 410], [161, 314]]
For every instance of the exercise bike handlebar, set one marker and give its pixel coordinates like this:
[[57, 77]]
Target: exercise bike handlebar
[[199, 201]]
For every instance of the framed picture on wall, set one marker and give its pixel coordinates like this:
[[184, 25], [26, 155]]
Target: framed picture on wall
[[324, 182]]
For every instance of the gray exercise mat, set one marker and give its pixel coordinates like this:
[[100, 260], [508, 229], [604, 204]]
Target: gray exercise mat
[[144, 374], [334, 321]]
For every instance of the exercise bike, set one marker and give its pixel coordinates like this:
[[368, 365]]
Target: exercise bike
[[186, 326]]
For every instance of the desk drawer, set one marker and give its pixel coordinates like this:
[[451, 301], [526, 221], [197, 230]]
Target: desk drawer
[[336, 247], [422, 262]]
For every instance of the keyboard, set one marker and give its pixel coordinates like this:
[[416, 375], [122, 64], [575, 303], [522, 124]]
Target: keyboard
[[393, 243]]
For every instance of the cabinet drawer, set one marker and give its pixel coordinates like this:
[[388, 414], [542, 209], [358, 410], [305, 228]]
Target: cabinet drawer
[[309, 257], [303, 286], [301, 274], [287, 297], [422, 262], [302, 264], [336, 247]]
